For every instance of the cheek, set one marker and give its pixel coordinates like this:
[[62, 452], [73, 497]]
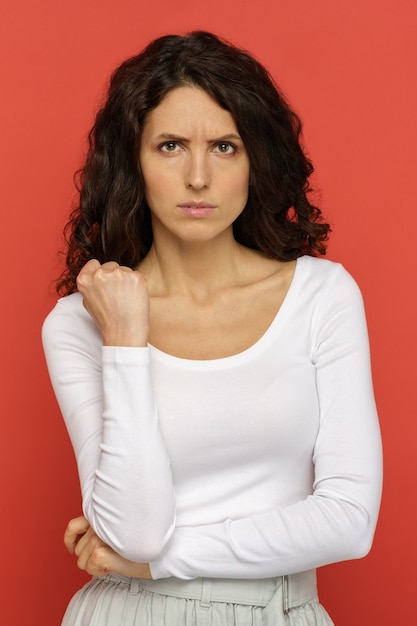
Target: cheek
[[239, 184], [158, 182]]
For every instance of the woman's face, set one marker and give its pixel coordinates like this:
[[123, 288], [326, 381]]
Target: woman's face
[[195, 167]]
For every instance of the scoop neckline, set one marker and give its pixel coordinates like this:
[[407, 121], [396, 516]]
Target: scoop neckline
[[276, 326]]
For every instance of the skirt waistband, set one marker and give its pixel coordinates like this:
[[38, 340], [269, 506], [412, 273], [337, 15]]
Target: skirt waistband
[[297, 589]]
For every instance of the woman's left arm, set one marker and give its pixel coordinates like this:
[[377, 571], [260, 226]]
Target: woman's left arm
[[335, 523]]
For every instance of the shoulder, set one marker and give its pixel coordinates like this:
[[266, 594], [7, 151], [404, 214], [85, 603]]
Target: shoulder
[[69, 322], [326, 292], [334, 301], [326, 275], [67, 310], [317, 267]]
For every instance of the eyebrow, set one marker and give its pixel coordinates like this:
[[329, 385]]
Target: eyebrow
[[180, 138]]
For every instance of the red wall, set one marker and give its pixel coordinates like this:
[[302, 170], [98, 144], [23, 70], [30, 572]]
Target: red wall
[[349, 68]]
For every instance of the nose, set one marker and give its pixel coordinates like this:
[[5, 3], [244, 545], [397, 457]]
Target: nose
[[198, 171]]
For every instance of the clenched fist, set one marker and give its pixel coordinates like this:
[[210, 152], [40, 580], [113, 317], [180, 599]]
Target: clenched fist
[[117, 299]]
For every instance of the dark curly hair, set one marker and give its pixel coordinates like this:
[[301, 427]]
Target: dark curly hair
[[112, 220]]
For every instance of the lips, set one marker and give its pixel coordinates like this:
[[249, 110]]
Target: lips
[[196, 205], [197, 209]]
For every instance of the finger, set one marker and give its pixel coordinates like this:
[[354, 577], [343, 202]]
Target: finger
[[87, 272], [90, 267], [83, 541], [71, 541], [94, 556], [100, 561], [109, 266], [76, 527]]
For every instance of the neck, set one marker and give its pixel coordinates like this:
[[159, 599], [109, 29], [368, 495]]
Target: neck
[[197, 269]]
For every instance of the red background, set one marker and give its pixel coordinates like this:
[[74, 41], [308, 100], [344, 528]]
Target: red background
[[349, 67]]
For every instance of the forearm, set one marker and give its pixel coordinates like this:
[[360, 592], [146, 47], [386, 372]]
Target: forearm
[[124, 469], [130, 498], [309, 534]]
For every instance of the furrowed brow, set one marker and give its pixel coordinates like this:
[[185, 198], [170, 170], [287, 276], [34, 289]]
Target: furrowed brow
[[171, 137], [229, 137], [180, 138]]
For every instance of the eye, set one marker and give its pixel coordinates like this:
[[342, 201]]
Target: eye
[[169, 146], [224, 147]]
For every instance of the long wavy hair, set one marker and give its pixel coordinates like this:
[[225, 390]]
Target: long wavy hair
[[112, 220]]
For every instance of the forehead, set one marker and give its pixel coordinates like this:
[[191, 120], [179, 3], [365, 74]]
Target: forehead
[[189, 107]]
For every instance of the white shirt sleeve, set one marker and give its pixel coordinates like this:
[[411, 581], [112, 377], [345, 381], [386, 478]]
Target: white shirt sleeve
[[337, 521], [105, 396]]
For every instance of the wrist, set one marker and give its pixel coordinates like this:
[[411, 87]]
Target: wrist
[[126, 339]]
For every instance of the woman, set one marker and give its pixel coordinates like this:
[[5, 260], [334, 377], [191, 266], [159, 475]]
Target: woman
[[213, 374]]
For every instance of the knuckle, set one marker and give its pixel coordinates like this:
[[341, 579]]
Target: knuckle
[[96, 554], [100, 273], [80, 564], [76, 524], [72, 525], [98, 558], [109, 266], [95, 542], [80, 280]]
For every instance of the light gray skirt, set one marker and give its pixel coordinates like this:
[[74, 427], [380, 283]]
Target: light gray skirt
[[116, 600]]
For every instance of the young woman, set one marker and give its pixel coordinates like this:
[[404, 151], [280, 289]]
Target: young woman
[[213, 373]]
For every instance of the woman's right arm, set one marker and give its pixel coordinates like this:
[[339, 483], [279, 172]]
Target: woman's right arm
[[106, 398]]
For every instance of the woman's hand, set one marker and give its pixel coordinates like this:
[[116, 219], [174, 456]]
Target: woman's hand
[[117, 299], [94, 556]]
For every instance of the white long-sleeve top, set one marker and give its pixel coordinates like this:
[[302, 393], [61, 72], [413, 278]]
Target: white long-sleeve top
[[260, 464]]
